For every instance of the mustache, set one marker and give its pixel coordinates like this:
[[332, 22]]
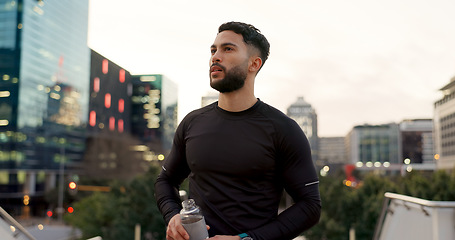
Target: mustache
[[218, 65]]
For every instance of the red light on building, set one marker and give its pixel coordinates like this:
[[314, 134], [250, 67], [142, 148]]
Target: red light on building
[[121, 75], [107, 100], [120, 125], [92, 118], [112, 123], [60, 61], [70, 209], [96, 84], [49, 213], [121, 105], [105, 66]]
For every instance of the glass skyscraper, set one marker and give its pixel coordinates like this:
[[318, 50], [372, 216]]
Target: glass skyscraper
[[154, 111], [44, 93]]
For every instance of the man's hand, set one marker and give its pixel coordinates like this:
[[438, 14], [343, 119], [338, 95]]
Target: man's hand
[[175, 230]]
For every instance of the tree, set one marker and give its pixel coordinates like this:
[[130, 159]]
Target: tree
[[332, 224], [113, 215], [368, 201], [346, 207]]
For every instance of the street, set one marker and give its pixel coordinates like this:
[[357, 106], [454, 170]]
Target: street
[[53, 232]]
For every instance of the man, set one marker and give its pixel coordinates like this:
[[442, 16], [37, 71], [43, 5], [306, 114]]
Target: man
[[240, 153]]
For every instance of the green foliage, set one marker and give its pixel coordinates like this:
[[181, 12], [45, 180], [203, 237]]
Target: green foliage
[[113, 215], [359, 208], [91, 215]]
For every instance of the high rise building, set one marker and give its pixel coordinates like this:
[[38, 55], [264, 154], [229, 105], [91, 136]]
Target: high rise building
[[374, 145], [44, 93], [444, 127], [109, 152], [154, 113], [417, 141], [305, 115]]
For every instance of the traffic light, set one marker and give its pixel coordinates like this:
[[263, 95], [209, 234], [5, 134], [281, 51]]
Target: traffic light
[[72, 185], [72, 188]]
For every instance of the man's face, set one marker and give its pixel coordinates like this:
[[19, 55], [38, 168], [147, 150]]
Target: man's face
[[229, 62]]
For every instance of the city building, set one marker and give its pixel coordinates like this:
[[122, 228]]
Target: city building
[[108, 151], [417, 141], [332, 152], [44, 92], [444, 127], [154, 114], [377, 146], [305, 115]]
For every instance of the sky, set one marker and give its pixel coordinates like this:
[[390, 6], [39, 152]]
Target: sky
[[355, 61]]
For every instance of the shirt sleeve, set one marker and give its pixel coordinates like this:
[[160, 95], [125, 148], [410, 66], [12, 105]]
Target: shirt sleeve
[[174, 170], [300, 181]]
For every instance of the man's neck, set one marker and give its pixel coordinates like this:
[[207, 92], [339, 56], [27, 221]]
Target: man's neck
[[236, 101]]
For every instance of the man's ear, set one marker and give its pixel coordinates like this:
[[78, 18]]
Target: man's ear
[[255, 64]]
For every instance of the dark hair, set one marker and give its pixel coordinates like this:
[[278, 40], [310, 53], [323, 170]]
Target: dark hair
[[251, 35]]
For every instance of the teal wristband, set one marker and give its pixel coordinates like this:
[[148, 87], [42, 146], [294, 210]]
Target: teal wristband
[[242, 235]]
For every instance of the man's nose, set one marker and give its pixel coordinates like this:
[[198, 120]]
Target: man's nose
[[216, 57]]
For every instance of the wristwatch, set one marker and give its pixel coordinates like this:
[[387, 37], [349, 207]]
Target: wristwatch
[[244, 236]]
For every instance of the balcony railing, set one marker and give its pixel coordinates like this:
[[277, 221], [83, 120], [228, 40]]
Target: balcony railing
[[10, 229], [405, 217]]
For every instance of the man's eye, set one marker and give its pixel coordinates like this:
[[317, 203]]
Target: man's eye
[[213, 51], [228, 49]]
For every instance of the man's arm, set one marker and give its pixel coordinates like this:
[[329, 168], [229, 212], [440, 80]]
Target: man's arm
[[167, 196], [300, 181], [293, 221], [174, 171]]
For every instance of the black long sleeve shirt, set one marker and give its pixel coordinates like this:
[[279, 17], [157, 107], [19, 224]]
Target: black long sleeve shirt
[[238, 164]]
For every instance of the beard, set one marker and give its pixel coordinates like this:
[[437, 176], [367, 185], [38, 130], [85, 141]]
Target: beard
[[233, 80]]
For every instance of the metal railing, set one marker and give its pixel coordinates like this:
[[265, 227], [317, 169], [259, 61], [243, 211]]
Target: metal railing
[[436, 216], [16, 229]]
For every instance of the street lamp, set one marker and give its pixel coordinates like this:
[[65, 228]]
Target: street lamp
[[60, 209]]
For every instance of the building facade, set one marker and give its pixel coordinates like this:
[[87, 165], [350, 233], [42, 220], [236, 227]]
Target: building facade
[[444, 127], [417, 141], [154, 113], [332, 151], [44, 92], [109, 153], [305, 115], [374, 145]]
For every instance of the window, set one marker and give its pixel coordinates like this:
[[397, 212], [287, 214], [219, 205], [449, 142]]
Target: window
[[112, 123], [121, 76], [107, 100], [105, 66], [121, 105], [96, 84], [92, 118], [120, 125]]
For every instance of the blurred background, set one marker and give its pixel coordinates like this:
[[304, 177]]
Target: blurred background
[[91, 93]]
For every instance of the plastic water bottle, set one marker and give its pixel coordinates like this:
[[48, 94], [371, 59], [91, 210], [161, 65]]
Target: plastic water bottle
[[193, 221]]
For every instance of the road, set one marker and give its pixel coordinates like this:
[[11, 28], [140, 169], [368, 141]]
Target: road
[[53, 232]]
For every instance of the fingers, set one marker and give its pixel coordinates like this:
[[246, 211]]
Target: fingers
[[175, 230]]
